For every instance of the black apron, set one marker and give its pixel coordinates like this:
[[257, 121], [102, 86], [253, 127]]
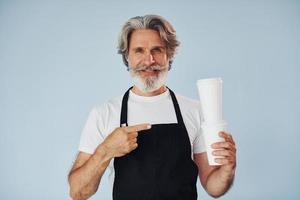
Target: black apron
[[161, 168]]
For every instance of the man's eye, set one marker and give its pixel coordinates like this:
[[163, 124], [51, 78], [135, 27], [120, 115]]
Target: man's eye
[[158, 50], [138, 51]]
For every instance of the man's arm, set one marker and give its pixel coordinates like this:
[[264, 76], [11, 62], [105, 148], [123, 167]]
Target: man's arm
[[86, 173], [216, 180]]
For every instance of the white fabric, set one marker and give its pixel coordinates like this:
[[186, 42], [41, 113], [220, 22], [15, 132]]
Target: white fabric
[[103, 119]]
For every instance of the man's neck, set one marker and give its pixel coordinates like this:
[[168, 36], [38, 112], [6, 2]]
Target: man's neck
[[159, 91]]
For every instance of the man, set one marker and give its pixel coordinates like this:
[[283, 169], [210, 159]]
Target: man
[[149, 136]]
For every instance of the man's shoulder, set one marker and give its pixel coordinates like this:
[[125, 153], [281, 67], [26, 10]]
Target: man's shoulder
[[108, 106], [191, 112], [187, 102]]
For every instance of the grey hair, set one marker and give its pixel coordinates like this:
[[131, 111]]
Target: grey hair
[[162, 26]]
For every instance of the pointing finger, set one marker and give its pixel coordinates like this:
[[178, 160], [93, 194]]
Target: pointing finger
[[136, 128]]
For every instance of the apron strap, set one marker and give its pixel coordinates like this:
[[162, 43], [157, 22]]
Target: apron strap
[[123, 119], [177, 108], [124, 108]]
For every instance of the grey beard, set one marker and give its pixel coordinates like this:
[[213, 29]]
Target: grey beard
[[149, 84]]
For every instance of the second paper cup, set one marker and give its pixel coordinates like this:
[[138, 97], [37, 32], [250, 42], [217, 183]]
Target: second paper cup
[[211, 135]]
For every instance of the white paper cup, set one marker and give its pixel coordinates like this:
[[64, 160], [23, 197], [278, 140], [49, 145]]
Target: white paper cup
[[211, 135], [210, 94]]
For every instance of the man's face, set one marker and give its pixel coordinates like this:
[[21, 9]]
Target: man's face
[[148, 60]]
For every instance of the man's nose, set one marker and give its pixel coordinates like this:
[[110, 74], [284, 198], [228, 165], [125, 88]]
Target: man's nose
[[149, 59]]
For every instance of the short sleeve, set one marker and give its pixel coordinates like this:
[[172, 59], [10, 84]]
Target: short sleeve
[[198, 144], [91, 135]]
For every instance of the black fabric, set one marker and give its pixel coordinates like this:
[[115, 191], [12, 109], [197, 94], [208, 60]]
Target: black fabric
[[161, 167]]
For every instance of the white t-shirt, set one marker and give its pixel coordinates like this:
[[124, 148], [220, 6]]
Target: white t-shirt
[[103, 119]]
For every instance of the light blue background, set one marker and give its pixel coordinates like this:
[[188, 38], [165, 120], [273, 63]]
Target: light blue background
[[58, 59]]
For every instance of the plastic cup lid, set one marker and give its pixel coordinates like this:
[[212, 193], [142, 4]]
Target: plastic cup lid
[[209, 80]]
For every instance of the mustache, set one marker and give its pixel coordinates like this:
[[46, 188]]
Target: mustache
[[146, 68]]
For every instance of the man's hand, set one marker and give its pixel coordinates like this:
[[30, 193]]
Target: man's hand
[[123, 140], [226, 149], [218, 179]]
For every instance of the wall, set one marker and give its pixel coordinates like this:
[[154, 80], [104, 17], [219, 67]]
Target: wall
[[58, 59]]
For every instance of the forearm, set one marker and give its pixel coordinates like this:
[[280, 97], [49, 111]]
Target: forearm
[[85, 180], [219, 182]]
